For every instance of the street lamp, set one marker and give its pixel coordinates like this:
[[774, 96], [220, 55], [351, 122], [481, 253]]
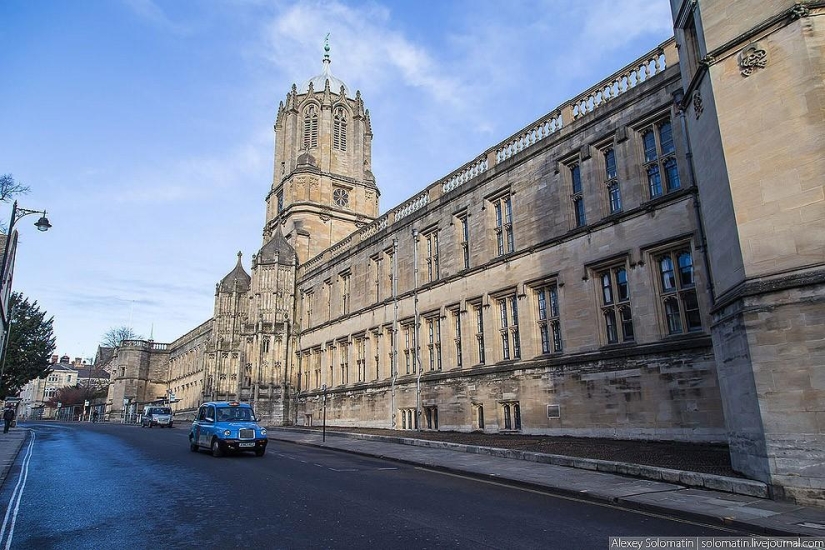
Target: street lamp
[[42, 224]]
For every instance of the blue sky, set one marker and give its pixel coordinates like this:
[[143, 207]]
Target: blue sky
[[144, 127]]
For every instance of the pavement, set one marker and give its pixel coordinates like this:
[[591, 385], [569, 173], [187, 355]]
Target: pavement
[[578, 478]]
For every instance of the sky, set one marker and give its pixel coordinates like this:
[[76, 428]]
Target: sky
[[144, 127]]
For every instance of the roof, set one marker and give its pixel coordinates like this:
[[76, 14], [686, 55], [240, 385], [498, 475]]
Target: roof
[[277, 250], [238, 280], [319, 81]]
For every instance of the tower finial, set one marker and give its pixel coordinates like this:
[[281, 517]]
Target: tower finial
[[326, 47]]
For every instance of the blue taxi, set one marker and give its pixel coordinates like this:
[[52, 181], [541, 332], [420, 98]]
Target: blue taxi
[[224, 426]]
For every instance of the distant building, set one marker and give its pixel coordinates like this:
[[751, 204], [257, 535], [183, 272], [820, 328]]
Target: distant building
[[646, 261], [37, 392]]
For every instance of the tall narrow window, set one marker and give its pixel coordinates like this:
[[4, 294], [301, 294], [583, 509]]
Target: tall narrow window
[[361, 358], [310, 127], [457, 336], [660, 159], [434, 342], [345, 293], [615, 294], [510, 338], [339, 129], [280, 200], [480, 333], [549, 323], [465, 239], [577, 196], [678, 291], [512, 415], [377, 276], [504, 225], [409, 347], [614, 195], [343, 354], [431, 240]]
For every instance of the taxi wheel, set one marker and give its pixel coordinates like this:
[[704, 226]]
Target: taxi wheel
[[260, 452], [193, 446], [216, 448]]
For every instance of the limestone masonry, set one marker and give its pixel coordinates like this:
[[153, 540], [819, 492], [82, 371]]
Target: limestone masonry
[[647, 261]]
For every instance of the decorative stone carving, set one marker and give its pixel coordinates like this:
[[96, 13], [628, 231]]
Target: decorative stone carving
[[752, 57], [697, 104]]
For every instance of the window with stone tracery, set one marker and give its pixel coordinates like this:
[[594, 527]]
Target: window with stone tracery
[[615, 299], [677, 290], [548, 318], [340, 197], [660, 159], [339, 129], [311, 127]]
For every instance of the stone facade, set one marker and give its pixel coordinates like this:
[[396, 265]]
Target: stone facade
[[643, 262]]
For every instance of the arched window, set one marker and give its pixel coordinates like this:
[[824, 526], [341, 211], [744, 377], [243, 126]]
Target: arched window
[[310, 127], [339, 129]]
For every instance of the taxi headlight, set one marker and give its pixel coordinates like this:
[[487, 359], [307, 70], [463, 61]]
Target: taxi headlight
[[227, 433], [263, 431]]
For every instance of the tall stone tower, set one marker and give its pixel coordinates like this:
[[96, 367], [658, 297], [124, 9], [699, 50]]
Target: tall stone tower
[[322, 186], [752, 75]]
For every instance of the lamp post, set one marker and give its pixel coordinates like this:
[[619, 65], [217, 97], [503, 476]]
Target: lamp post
[[42, 224]]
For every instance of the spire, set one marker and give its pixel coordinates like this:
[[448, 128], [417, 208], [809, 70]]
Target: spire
[[326, 78], [237, 279]]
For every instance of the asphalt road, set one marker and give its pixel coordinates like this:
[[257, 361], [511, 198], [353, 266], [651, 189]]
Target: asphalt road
[[113, 486]]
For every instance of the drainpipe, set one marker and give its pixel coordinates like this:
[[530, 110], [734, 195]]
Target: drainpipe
[[415, 334], [394, 364]]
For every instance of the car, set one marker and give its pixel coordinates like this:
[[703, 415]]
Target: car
[[156, 416], [227, 426]]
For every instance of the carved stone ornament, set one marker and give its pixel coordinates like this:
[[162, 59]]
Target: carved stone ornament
[[751, 58], [697, 104]]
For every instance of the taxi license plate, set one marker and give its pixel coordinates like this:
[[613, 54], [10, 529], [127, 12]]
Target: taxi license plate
[[247, 444]]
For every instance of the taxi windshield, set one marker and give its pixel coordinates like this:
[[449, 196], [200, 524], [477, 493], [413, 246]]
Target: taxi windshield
[[161, 410], [230, 414]]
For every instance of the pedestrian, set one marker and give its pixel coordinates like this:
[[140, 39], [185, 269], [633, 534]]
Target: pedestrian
[[94, 416], [8, 416]]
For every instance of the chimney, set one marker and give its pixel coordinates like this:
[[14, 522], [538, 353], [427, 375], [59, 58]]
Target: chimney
[[54, 359]]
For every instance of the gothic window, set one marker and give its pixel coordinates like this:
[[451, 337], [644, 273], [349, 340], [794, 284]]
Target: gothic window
[[431, 416], [343, 355], [549, 323], [465, 239], [341, 197], [614, 195], [434, 342], [345, 293], [504, 225], [577, 196], [361, 353], [615, 299], [508, 317], [339, 129], [310, 127], [677, 288], [660, 159], [431, 240], [409, 347], [280, 199], [377, 276], [511, 412], [480, 332], [456, 313]]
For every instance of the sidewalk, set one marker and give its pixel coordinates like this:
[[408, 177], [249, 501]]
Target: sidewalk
[[754, 514], [10, 445]]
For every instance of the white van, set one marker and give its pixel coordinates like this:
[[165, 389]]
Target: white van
[[156, 416]]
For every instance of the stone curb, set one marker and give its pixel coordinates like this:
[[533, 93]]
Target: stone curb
[[698, 480]]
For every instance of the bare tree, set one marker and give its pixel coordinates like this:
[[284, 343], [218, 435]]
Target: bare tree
[[116, 335], [9, 188]]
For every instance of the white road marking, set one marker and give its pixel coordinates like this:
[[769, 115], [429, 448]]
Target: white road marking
[[17, 495]]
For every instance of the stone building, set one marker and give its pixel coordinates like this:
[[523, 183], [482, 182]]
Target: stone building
[[643, 262]]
